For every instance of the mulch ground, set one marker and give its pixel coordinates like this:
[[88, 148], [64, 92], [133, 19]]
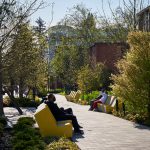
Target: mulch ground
[[5, 140]]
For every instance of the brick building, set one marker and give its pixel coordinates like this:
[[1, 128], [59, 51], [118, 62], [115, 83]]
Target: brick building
[[144, 19], [107, 53]]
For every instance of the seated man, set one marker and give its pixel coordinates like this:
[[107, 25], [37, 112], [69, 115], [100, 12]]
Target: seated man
[[68, 110], [101, 100], [61, 114]]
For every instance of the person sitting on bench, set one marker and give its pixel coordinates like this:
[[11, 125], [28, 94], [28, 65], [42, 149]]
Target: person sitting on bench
[[101, 99], [61, 114]]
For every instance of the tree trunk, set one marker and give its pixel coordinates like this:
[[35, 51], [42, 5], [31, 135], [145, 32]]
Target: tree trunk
[[13, 101], [33, 93], [12, 87], [28, 92], [149, 101], [1, 86], [21, 88]]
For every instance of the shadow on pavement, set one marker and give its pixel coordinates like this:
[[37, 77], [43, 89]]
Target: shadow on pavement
[[76, 137], [142, 127]]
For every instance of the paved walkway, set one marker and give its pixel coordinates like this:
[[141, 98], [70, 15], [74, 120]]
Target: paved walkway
[[101, 131]]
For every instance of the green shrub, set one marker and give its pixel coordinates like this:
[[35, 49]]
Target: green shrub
[[26, 137], [62, 144], [23, 123], [56, 91], [1, 129], [26, 120], [147, 122], [42, 93], [91, 78], [131, 84], [3, 121], [27, 140], [26, 102], [88, 97]]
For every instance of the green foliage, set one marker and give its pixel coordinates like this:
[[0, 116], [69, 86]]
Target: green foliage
[[26, 137], [24, 63], [62, 143], [88, 97], [1, 129], [132, 84], [92, 78], [55, 91], [7, 101], [3, 121], [26, 121], [26, 102], [72, 53], [66, 63]]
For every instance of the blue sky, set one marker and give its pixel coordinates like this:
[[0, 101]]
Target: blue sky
[[61, 7]]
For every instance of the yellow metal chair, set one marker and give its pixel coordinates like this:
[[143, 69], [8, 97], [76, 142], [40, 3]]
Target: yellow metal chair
[[49, 126]]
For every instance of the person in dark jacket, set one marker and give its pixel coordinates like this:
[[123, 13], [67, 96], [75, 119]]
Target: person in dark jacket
[[61, 114]]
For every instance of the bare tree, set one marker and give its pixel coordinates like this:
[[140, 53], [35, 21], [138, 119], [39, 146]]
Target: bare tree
[[123, 19]]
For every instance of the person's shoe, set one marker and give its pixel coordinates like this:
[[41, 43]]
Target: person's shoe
[[95, 109], [80, 126], [90, 109], [78, 131]]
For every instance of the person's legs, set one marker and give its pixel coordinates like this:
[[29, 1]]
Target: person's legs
[[72, 118], [95, 104], [91, 103], [69, 111]]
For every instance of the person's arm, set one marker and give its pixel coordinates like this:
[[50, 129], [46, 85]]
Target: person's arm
[[99, 96], [58, 110]]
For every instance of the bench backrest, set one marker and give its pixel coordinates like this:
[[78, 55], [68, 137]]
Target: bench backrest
[[44, 117], [111, 100], [72, 94]]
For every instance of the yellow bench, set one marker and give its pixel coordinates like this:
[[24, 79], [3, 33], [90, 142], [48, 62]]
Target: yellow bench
[[49, 126], [73, 96], [108, 106]]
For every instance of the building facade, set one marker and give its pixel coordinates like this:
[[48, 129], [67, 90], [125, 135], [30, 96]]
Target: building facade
[[144, 19], [107, 53]]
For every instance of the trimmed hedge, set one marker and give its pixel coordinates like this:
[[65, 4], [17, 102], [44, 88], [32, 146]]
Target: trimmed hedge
[[26, 137]]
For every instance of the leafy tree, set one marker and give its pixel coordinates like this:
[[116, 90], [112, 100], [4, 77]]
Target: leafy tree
[[65, 63], [27, 65], [72, 53], [11, 14], [132, 84], [86, 34], [91, 78], [41, 26]]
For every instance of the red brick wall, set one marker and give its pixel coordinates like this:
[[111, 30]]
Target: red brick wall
[[107, 53]]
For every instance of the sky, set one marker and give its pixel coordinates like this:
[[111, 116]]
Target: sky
[[61, 7]]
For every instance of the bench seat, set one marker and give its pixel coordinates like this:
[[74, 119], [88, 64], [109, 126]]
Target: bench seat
[[49, 126]]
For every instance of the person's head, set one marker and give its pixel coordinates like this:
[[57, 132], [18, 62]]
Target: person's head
[[51, 97]]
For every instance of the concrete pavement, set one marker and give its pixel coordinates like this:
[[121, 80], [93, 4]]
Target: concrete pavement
[[101, 131]]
